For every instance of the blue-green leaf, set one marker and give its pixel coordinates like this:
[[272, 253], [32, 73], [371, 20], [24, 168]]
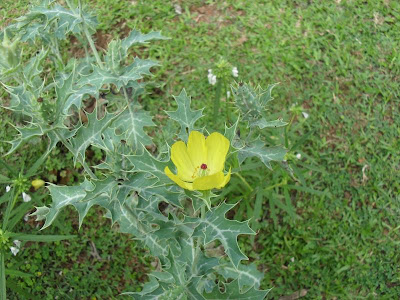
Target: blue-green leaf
[[184, 115]]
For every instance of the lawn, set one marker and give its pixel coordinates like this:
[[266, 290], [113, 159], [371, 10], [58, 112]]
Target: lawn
[[335, 235]]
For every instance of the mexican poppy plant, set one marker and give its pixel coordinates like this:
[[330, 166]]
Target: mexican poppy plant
[[200, 163]]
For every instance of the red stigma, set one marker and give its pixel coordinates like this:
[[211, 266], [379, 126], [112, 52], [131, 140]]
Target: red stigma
[[203, 166]]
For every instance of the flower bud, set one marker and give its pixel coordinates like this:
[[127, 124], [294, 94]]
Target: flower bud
[[37, 183]]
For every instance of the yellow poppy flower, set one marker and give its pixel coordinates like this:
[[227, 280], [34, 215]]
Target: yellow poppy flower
[[200, 164]]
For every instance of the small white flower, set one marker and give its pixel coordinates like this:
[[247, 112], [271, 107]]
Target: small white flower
[[8, 188], [298, 155], [292, 259], [212, 79], [228, 94], [26, 197], [178, 9], [26, 217], [305, 115], [14, 250], [235, 72], [17, 243]]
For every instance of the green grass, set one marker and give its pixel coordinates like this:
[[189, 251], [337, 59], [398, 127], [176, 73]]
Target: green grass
[[339, 61]]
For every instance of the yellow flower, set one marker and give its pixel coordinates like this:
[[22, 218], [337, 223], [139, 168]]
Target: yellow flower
[[38, 183], [200, 164]]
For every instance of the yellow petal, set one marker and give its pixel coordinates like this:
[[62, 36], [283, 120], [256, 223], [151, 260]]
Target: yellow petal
[[181, 160], [217, 148], [177, 180], [208, 182], [196, 148], [227, 177]]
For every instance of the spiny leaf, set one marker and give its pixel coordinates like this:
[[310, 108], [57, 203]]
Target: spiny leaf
[[91, 134], [25, 134], [265, 154], [184, 115], [232, 292], [130, 124], [66, 21], [24, 100], [262, 123], [133, 72], [149, 164], [216, 227], [34, 66], [247, 275], [136, 37]]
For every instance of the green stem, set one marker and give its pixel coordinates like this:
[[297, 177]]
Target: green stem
[[287, 129], [199, 243], [228, 113], [3, 294], [9, 208], [244, 181], [91, 44], [284, 182], [80, 159], [217, 101]]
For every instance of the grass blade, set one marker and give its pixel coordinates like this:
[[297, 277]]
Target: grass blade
[[40, 238]]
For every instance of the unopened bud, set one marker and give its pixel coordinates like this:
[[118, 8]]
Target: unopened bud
[[37, 183]]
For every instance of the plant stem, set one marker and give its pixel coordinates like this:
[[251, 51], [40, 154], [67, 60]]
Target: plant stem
[[9, 208], [287, 129], [244, 181], [3, 294], [216, 101], [228, 113], [92, 45], [276, 185], [80, 159], [199, 243]]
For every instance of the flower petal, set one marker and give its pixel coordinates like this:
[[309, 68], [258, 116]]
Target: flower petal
[[208, 182], [217, 148], [177, 180], [196, 148], [227, 177], [181, 160]]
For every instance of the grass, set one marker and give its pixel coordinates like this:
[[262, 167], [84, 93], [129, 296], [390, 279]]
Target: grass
[[339, 62]]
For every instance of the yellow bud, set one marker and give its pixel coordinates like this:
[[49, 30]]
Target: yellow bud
[[37, 183]]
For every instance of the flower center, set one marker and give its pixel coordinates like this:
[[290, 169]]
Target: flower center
[[203, 166]]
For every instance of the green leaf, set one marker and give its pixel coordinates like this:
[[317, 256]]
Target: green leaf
[[91, 134], [184, 115], [232, 292], [35, 65], [265, 154], [24, 101], [246, 275], [40, 238], [127, 74], [17, 273], [136, 37], [149, 164], [130, 125], [216, 227], [60, 20], [25, 134], [262, 123]]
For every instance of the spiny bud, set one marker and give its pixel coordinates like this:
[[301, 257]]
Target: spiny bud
[[9, 54], [37, 183]]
